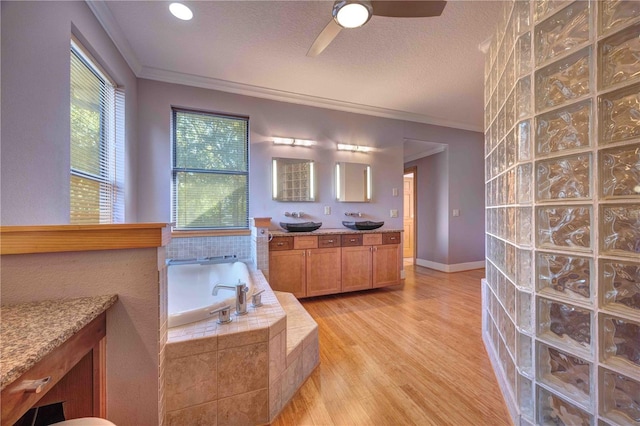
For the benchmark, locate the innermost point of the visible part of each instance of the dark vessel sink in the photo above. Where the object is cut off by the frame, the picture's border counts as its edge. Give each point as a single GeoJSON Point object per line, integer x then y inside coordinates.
{"type": "Point", "coordinates": [362, 225]}
{"type": "Point", "coordinates": [301, 227]}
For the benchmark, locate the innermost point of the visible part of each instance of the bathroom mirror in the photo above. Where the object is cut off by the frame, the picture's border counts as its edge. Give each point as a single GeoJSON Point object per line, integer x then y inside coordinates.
{"type": "Point", "coordinates": [293, 179]}
{"type": "Point", "coordinates": [353, 182]}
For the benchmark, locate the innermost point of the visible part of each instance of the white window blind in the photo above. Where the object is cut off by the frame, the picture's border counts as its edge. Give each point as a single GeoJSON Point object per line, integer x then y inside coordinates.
{"type": "Point", "coordinates": [210, 170]}
{"type": "Point", "coordinates": [97, 144]}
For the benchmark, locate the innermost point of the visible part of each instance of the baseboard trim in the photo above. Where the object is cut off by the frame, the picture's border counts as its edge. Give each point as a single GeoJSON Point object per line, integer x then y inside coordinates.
{"type": "Point", "coordinates": [456, 267]}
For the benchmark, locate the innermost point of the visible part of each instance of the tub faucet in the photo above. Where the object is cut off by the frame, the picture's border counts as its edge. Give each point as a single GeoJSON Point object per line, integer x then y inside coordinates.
{"type": "Point", "coordinates": [241, 295]}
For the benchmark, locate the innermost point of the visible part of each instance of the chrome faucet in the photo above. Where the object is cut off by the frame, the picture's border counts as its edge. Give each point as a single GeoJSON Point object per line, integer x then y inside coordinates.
{"type": "Point", "coordinates": [294, 214]}
{"type": "Point", "coordinates": [241, 295]}
{"type": "Point", "coordinates": [352, 214]}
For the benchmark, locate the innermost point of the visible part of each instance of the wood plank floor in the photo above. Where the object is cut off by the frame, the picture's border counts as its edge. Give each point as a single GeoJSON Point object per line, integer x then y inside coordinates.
{"type": "Point", "coordinates": [411, 354]}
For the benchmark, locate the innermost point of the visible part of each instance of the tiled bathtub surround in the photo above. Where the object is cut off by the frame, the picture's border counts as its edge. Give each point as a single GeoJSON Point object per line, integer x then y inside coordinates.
{"type": "Point", "coordinates": [194, 247]}
{"type": "Point", "coordinates": [241, 372]}
{"type": "Point", "coordinates": [561, 300]}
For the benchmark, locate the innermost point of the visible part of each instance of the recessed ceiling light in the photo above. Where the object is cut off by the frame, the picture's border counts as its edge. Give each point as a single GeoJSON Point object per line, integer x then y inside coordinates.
{"type": "Point", "coordinates": [181, 11]}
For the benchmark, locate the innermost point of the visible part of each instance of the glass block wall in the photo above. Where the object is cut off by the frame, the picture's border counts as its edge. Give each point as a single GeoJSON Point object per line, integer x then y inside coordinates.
{"type": "Point", "coordinates": [561, 298]}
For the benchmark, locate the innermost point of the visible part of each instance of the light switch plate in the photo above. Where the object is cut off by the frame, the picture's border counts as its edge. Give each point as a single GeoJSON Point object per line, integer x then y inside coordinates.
{"type": "Point", "coordinates": [393, 213]}
{"type": "Point", "coordinates": [327, 210]}
{"type": "Point", "coordinates": [456, 212]}
{"type": "Point", "coordinates": [395, 192]}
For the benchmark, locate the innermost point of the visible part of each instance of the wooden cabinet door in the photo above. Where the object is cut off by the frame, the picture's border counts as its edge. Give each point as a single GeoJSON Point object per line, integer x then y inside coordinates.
{"type": "Point", "coordinates": [323, 271]}
{"type": "Point", "coordinates": [287, 271]}
{"type": "Point", "coordinates": [386, 265]}
{"type": "Point", "coordinates": [356, 268]}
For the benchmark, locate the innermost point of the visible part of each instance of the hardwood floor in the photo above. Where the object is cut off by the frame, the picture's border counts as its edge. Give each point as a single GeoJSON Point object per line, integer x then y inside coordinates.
{"type": "Point", "coordinates": [412, 354]}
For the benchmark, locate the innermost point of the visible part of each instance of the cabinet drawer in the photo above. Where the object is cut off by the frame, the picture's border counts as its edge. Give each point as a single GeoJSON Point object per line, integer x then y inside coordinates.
{"type": "Point", "coordinates": [281, 243]}
{"type": "Point", "coordinates": [306, 242]}
{"type": "Point", "coordinates": [325, 241]}
{"type": "Point", "coordinates": [391, 238]}
{"type": "Point", "coordinates": [371, 239]}
{"type": "Point", "coordinates": [351, 240]}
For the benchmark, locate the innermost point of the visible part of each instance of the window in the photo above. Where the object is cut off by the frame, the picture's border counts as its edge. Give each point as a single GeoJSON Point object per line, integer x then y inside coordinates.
{"type": "Point", "coordinates": [97, 143]}
{"type": "Point", "coordinates": [210, 170]}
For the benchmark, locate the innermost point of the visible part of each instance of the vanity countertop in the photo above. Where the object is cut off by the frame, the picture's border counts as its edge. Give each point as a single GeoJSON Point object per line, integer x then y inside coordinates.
{"type": "Point", "coordinates": [331, 231]}
{"type": "Point", "coordinates": [30, 331]}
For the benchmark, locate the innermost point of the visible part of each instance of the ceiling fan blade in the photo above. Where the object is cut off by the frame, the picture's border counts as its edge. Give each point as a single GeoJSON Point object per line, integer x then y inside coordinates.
{"type": "Point", "coordinates": [408, 9]}
{"type": "Point", "coordinates": [324, 39]}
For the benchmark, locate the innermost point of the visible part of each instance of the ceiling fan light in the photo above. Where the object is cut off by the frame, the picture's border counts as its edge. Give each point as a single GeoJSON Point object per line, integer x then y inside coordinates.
{"type": "Point", "coordinates": [352, 14]}
{"type": "Point", "coordinates": [180, 11]}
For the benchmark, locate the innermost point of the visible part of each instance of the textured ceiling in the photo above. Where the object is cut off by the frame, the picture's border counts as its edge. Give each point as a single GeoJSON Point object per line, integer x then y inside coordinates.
{"type": "Point", "coordinates": [423, 69]}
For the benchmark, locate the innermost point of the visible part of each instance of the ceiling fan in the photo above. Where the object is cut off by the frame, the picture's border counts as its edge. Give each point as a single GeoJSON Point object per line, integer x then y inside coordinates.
{"type": "Point", "coordinates": [356, 13]}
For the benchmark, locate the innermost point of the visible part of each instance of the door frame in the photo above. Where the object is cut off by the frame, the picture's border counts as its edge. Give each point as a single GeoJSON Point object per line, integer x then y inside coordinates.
{"type": "Point", "coordinates": [414, 170]}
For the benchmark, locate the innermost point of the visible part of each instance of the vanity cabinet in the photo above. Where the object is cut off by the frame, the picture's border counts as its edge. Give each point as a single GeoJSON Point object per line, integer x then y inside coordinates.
{"type": "Point", "coordinates": [315, 265]}
{"type": "Point", "coordinates": [305, 266]}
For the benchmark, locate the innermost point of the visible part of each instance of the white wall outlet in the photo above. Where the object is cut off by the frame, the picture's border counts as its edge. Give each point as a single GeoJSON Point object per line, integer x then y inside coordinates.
{"type": "Point", "coordinates": [456, 212]}
{"type": "Point", "coordinates": [395, 192]}
{"type": "Point", "coordinates": [327, 210]}
{"type": "Point", "coordinates": [393, 213]}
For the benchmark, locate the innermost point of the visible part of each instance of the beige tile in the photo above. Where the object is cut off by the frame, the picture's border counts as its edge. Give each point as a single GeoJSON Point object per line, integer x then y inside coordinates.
{"type": "Point", "coordinates": [190, 380]}
{"type": "Point", "coordinates": [275, 398]}
{"type": "Point", "coordinates": [291, 379]}
{"type": "Point", "coordinates": [277, 356]}
{"type": "Point", "coordinates": [293, 353]}
{"type": "Point", "coordinates": [243, 369]}
{"type": "Point", "coordinates": [279, 325]}
{"type": "Point", "coordinates": [191, 347]}
{"type": "Point", "coordinates": [242, 338]}
{"type": "Point", "coordinates": [198, 415]}
{"type": "Point", "coordinates": [245, 409]}
{"type": "Point", "coordinates": [311, 338]}
{"type": "Point", "coordinates": [310, 358]}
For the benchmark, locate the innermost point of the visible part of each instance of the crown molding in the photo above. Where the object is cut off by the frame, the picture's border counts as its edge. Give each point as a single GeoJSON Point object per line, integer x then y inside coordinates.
{"type": "Point", "coordinates": [110, 25]}
{"type": "Point", "coordinates": [103, 14]}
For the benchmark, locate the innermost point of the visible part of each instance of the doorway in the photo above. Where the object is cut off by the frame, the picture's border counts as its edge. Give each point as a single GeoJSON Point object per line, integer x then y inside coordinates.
{"type": "Point", "coordinates": [409, 217]}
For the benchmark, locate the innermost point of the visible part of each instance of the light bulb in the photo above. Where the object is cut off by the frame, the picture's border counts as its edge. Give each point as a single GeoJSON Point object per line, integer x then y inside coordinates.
{"type": "Point", "coordinates": [180, 11]}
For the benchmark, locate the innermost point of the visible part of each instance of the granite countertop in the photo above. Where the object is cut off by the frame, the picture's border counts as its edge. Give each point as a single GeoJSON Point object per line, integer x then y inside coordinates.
{"type": "Point", "coordinates": [332, 231]}
{"type": "Point", "coordinates": [30, 331]}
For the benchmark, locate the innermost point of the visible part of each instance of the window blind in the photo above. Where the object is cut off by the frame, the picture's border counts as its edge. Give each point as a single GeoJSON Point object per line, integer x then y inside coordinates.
{"type": "Point", "coordinates": [97, 144]}
{"type": "Point", "coordinates": [210, 170]}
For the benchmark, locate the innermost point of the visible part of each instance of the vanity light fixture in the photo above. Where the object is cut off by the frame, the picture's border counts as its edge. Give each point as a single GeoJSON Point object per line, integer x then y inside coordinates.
{"type": "Point", "coordinates": [354, 148]}
{"type": "Point", "coordinates": [181, 11]}
{"type": "Point", "coordinates": [292, 141]}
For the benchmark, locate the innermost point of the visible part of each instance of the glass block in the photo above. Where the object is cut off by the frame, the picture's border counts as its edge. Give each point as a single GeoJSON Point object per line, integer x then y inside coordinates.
{"type": "Point", "coordinates": [523, 58]}
{"type": "Point", "coordinates": [567, 325]}
{"type": "Point", "coordinates": [523, 268]}
{"type": "Point", "coordinates": [525, 397]}
{"type": "Point", "coordinates": [562, 31]}
{"type": "Point", "coordinates": [619, 114]}
{"type": "Point", "coordinates": [543, 8]}
{"type": "Point", "coordinates": [620, 171]}
{"type": "Point", "coordinates": [563, 129]}
{"type": "Point", "coordinates": [564, 80]}
{"type": "Point", "coordinates": [564, 276]}
{"type": "Point", "coordinates": [510, 148]}
{"type": "Point", "coordinates": [510, 178]}
{"type": "Point", "coordinates": [565, 227]}
{"type": "Point", "coordinates": [524, 227]}
{"type": "Point", "coordinates": [564, 178]}
{"type": "Point", "coordinates": [621, 342]}
{"type": "Point", "coordinates": [621, 398]}
{"type": "Point", "coordinates": [621, 285]}
{"type": "Point", "coordinates": [510, 259]}
{"type": "Point", "coordinates": [525, 301]}
{"type": "Point", "coordinates": [523, 98]}
{"type": "Point", "coordinates": [616, 13]}
{"type": "Point", "coordinates": [619, 57]}
{"type": "Point", "coordinates": [524, 140]}
{"type": "Point", "coordinates": [567, 374]}
{"type": "Point", "coordinates": [525, 180]}
{"type": "Point", "coordinates": [621, 229]}
{"type": "Point", "coordinates": [553, 410]}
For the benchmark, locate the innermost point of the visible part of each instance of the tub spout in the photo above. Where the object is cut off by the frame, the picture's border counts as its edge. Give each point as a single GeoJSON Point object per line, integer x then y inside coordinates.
{"type": "Point", "coordinates": [241, 295]}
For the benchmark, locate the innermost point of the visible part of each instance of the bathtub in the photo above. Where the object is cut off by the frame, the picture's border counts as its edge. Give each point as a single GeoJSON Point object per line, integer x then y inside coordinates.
{"type": "Point", "coordinates": [190, 288]}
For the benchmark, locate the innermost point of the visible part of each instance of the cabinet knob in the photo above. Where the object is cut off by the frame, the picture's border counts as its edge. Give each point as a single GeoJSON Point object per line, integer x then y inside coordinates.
{"type": "Point", "coordinates": [280, 244]}
{"type": "Point", "coordinates": [392, 238]}
{"type": "Point", "coordinates": [353, 240]}
{"type": "Point", "coordinates": [33, 386]}
{"type": "Point", "coordinates": [330, 241]}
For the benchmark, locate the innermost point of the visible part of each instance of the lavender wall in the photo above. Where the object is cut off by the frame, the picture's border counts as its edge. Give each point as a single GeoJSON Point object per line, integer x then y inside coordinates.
{"type": "Point", "coordinates": [35, 107]}
{"type": "Point", "coordinates": [267, 119]}
{"type": "Point", "coordinates": [449, 180]}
